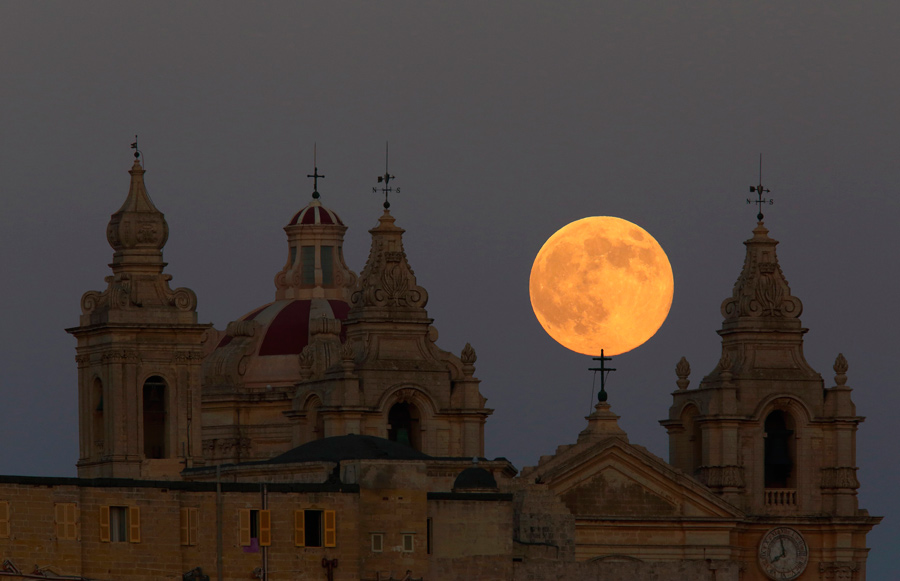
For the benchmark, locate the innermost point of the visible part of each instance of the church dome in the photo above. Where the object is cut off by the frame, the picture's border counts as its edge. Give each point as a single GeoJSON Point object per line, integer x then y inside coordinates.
{"type": "Point", "coordinates": [316, 213]}
{"type": "Point", "coordinates": [475, 479]}
{"type": "Point", "coordinates": [312, 296]}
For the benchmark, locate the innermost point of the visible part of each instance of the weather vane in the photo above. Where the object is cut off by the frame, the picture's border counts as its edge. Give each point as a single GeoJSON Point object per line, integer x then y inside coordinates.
{"type": "Point", "coordinates": [315, 175]}
{"type": "Point", "coordinates": [604, 372]}
{"type": "Point", "coordinates": [760, 190]}
{"type": "Point", "coordinates": [386, 178]}
{"type": "Point", "coordinates": [137, 152]}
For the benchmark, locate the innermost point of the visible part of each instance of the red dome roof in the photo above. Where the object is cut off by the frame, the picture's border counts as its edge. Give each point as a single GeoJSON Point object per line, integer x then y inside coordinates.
{"type": "Point", "coordinates": [315, 213]}
{"type": "Point", "coordinates": [285, 325]}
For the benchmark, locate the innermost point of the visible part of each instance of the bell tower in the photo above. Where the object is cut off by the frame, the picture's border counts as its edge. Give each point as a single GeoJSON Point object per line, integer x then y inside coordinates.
{"type": "Point", "coordinates": [138, 355]}
{"type": "Point", "coordinates": [761, 429]}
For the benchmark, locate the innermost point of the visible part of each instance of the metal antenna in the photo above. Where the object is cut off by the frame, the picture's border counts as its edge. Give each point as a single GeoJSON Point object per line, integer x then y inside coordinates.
{"type": "Point", "coordinates": [386, 178]}
{"type": "Point", "coordinates": [760, 190]}
{"type": "Point", "coordinates": [315, 174]}
{"type": "Point", "coordinates": [604, 372]}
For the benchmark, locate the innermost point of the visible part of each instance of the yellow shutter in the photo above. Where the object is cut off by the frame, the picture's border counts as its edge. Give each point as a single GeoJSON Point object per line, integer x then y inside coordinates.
{"type": "Point", "coordinates": [104, 524]}
{"type": "Point", "coordinates": [193, 525]}
{"type": "Point", "coordinates": [4, 520]}
{"type": "Point", "coordinates": [72, 521]}
{"type": "Point", "coordinates": [185, 526]}
{"type": "Point", "coordinates": [134, 524]}
{"type": "Point", "coordinates": [244, 527]}
{"type": "Point", "coordinates": [299, 530]}
{"type": "Point", "coordinates": [330, 536]}
{"type": "Point", "coordinates": [265, 528]}
{"type": "Point", "coordinates": [60, 510]}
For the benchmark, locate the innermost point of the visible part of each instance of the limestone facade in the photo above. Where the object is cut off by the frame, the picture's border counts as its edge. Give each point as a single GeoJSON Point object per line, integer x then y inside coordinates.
{"type": "Point", "coordinates": [325, 435]}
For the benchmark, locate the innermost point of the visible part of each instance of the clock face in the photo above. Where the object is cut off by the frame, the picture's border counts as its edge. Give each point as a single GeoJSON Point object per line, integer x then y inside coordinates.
{"type": "Point", "coordinates": [783, 554]}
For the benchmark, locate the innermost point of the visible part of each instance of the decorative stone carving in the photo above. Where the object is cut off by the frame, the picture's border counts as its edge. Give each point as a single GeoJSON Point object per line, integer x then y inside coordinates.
{"type": "Point", "coordinates": [683, 370]}
{"type": "Point", "coordinates": [242, 328]}
{"type": "Point", "coordinates": [388, 280]}
{"type": "Point", "coordinates": [722, 476]}
{"type": "Point", "coordinates": [120, 356]}
{"type": "Point", "coordinates": [838, 570]}
{"type": "Point", "coordinates": [840, 370]}
{"type": "Point", "coordinates": [840, 477]}
{"type": "Point", "coordinates": [761, 289]}
{"type": "Point", "coordinates": [183, 356]}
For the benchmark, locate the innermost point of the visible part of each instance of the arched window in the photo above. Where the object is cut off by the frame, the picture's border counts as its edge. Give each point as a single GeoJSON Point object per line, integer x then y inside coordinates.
{"type": "Point", "coordinates": [779, 451]}
{"type": "Point", "coordinates": [403, 425]}
{"type": "Point", "coordinates": [155, 418]}
{"type": "Point", "coordinates": [98, 430]}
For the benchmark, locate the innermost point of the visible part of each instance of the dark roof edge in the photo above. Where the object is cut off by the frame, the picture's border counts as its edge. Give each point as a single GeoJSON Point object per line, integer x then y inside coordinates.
{"type": "Point", "coordinates": [254, 487]}
{"type": "Point", "coordinates": [489, 496]}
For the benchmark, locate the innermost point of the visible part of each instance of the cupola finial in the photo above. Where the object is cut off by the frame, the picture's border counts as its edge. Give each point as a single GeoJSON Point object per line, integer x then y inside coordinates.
{"type": "Point", "coordinates": [386, 178]}
{"type": "Point", "coordinates": [315, 175]}
{"type": "Point", "coordinates": [760, 190]}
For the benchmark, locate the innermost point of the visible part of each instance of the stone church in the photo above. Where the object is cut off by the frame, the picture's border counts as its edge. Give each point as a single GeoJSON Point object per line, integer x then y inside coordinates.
{"type": "Point", "coordinates": [326, 435]}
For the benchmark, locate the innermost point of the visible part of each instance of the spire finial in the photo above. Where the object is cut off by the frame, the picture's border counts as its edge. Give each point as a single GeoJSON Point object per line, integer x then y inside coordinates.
{"type": "Point", "coordinates": [137, 152]}
{"type": "Point", "coordinates": [315, 175]}
{"type": "Point", "coordinates": [386, 178]}
{"type": "Point", "coordinates": [604, 372]}
{"type": "Point", "coordinates": [760, 190]}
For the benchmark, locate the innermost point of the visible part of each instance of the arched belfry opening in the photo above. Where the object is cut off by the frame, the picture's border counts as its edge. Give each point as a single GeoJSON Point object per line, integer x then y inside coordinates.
{"type": "Point", "coordinates": [155, 416]}
{"type": "Point", "coordinates": [403, 425]}
{"type": "Point", "coordinates": [779, 450]}
{"type": "Point", "coordinates": [98, 429]}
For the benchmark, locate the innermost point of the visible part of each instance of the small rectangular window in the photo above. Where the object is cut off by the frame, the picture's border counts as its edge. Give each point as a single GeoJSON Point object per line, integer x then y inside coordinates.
{"type": "Point", "coordinates": [327, 260]}
{"type": "Point", "coordinates": [377, 542]}
{"type": "Point", "coordinates": [190, 525]}
{"type": "Point", "coordinates": [308, 264]}
{"type": "Point", "coordinates": [408, 542]}
{"type": "Point", "coordinates": [66, 521]}
{"type": "Point", "coordinates": [4, 519]}
{"type": "Point", "coordinates": [255, 528]}
{"type": "Point", "coordinates": [115, 526]}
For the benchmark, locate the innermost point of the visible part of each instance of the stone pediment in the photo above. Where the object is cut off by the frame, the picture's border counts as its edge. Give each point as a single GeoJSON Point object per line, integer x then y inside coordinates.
{"type": "Point", "coordinates": [613, 478]}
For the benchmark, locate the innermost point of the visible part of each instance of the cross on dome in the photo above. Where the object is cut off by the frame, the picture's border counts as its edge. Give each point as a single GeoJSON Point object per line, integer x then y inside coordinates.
{"type": "Point", "coordinates": [315, 175]}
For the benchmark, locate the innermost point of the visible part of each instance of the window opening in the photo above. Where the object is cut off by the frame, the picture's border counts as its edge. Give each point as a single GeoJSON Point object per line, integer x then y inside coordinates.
{"type": "Point", "coordinates": [377, 542]}
{"type": "Point", "coordinates": [408, 542]}
{"type": "Point", "coordinates": [98, 431]}
{"type": "Point", "coordinates": [155, 418]}
{"type": "Point", "coordinates": [428, 535]}
{"type": "Point", "coordinates": [403, 420]}
{"type": "Point", "coordinates": [312, 526]}
{"type": "Point", "coordinates": [66, 527]}
{"type": "Point", "coordinates": [293, 255]}
{"type": "Point", "coordinates": [118, 524]}
{"type": "Point", "coordinates": [308, 264]}
{"type": "Point", "coordinates": [778, 454]}
{"type": "Point", "coordinates": [327, 260]}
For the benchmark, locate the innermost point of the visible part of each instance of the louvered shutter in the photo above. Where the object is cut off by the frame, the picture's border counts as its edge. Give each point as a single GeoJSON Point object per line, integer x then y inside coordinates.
{"type": "Point", "coordinates": [330, 535]}
{"type": "Point", "coordinates": [134, 524]}
{"type": "Point", "coordinates": [265, 528]}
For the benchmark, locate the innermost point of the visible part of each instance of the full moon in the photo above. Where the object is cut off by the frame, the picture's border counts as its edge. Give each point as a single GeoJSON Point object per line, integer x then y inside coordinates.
{"type": "Point", "coordinates": [601, 283]}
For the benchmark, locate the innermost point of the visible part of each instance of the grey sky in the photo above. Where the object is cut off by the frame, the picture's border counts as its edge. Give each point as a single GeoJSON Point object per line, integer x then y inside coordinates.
{"type": "Point", "coordinates": [507, 120]}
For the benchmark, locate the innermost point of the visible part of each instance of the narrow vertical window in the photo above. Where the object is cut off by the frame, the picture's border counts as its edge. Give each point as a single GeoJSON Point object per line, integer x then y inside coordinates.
{"type": "Point", "coordinates": [255, 529]}
{"type": "Point", "coordinates": [98, 430]}
{"type": "Point", "coordinates": [408, 542]}
{"type": "Point", "coordinates": [327, 261]}
{"type": "Point", "coordinates": [429, 524]}
{"type": "Point", "coordinates": [377, 542]}
{"type": "Point", "coordinates": [403, 420]}
{"type": "Point", "coordinates": [155, 418]}
{"type": "Point", "coordinates": [308, 264]}
{"type": "Point", "coordinates": [293, 256]}
{"type": "Point", "coordinates": [312, 523]}
{"type": "Point", "coordinates": [778, 454]}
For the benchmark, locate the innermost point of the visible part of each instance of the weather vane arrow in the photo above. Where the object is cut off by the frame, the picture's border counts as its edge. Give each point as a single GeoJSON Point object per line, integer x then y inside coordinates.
{"type": "Point", "coordinates": [760, 190]}
{"type": "Point", "coordinates": [386, 179]}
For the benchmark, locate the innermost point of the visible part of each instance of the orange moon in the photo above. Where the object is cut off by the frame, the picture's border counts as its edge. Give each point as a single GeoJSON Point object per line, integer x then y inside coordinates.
{"type": "Point", "coordinates": [601, 283]}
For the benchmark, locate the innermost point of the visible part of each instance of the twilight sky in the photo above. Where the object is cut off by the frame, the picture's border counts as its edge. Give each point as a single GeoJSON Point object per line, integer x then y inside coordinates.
{"type": "Point", "coordinates": [507, 120]}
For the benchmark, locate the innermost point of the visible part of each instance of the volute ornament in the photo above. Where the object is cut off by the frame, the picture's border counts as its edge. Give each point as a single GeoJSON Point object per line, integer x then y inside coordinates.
{"type": "Point", "coordinates": [761, 289]}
